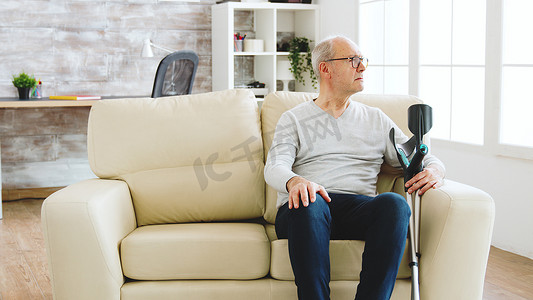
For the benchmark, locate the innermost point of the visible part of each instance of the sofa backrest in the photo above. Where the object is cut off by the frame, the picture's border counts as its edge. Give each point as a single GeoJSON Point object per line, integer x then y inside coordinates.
{"type": "Point", "coordinates": [275, 104]}
{"type": "Point", "coordinates": [193, 158]}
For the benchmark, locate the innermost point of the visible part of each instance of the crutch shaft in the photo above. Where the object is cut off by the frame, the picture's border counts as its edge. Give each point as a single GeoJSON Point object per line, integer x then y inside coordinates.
{"type": "Point", "coordinates": [416, 212]}
{"type": "Point", "coordinates": [413, 241]}
{"type": "Point", "coordinates": [415, 289]}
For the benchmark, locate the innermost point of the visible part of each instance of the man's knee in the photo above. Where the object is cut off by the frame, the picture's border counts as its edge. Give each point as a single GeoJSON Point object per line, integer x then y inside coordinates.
{"type": "Point", "coordinates": [317, 210]}
{"type": "Point", "coordinates": [395, 205]}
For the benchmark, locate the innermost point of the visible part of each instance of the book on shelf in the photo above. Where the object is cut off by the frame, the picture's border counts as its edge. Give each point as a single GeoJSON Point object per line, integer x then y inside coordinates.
{"type": "Point", "coordinates": [75, 97]}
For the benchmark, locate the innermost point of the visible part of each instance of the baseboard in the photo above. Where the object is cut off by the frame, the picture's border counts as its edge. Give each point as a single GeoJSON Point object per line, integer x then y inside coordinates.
{"type": "Point", "coordinates": [17, 194]}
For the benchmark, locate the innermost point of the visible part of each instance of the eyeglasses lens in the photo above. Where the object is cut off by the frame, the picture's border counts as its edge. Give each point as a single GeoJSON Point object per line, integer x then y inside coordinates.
{"type": "Point", "coordinates": [356, 61]}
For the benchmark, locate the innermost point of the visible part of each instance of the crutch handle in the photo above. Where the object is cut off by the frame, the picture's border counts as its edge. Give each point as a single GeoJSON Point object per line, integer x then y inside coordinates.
{"type": "Point", "coordinates": [416, 165]}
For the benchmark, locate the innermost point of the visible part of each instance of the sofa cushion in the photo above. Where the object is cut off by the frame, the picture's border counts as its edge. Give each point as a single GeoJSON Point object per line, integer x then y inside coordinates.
{"type": "Point", "coordinates": [277, 103]}
{"type": "Point", "coordinates": [196, 251]}
{"type": "Point", "coordinates": [345, 259]}
{"type": "Point", "coordinates": [185, 158]}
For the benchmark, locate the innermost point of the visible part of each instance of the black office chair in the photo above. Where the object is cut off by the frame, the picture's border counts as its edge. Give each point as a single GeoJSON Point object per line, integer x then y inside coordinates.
{"type": "Point", "coordinates": [175, 74]}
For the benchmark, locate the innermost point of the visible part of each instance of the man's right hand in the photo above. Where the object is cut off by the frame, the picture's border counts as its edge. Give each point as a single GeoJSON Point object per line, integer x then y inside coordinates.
{"type": "Point", "coordinates": [301, 188]}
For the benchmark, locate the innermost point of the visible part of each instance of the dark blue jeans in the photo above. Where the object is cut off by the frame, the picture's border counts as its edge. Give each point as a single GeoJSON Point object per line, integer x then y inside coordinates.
{"type": "Point", "coordinates": [380, 221]}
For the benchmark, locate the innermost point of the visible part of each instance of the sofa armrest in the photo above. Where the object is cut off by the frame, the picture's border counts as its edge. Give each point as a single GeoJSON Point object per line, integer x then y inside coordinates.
{"type": "Point", "coordinates": [83, 226]}
{"type": "Point", "coordinates": [455, 235]}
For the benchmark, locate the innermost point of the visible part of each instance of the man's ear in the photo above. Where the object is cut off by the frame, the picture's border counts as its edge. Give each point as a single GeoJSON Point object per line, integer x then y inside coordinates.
{"type": "Point", "coordinates": [324, 69]}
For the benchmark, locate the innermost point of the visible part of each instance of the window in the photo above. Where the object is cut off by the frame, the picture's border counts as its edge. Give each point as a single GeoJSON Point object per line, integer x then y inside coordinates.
{"type": "Point", "coordinates": [516, 127]}
{"type": "Point", "coordinates": [383, 32]}
{"type": "Point", "coordinates": [452, 67]}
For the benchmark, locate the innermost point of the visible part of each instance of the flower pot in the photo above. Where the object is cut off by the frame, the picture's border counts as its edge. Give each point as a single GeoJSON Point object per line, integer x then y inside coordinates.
{"type": "Point", "coordinates": [24, 93]}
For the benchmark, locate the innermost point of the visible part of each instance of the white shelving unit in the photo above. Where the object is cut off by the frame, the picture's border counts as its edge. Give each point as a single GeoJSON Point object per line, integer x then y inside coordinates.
{"type": "Point", "coordinates": [268, 20]}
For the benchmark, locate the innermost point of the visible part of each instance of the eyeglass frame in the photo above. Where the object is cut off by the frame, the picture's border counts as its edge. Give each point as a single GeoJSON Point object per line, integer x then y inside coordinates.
{"type": "Point", "coordinates": [352, 59]}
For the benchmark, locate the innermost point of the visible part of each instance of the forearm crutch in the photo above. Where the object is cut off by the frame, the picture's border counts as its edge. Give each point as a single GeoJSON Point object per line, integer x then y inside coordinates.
{"type": "Point", "coordinates": [420, 122]}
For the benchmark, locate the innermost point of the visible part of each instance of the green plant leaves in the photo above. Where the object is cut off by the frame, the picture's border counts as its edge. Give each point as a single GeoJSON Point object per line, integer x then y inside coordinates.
{"type": "Point", "coordinates": [24, 80]}
{"type": "Point", "coordinates": [300, 59]}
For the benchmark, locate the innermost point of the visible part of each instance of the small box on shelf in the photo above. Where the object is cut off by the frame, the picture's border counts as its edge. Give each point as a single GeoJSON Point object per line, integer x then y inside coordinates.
{"type": "Point", "coordinates": [291, 1]}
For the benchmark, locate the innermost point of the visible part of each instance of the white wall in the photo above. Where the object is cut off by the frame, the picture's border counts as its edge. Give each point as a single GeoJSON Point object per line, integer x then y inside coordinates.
{"type": "Point", "coordinates": [338, 17]}
{"type": "Point", "coordinates": [508, 180]}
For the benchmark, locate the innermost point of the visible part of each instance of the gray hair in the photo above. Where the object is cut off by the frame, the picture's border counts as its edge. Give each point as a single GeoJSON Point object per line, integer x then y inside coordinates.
{"type": "Point", "coordinates": [324, 51]}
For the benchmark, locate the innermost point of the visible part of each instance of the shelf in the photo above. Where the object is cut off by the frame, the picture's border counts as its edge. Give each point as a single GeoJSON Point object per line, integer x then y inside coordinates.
{"type": "Point", "coordinates": [260, 53]}
{"type": "Point", "coordinates": [268, 5]}
{"type": "Point", "coordinates": [270, 22]}
{"type": "Point", "coordinates": [252, 53]}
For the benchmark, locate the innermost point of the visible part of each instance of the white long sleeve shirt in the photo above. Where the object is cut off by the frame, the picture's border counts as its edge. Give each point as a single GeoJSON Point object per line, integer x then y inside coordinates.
{"type": "Point", "coordinates": [344, 155]}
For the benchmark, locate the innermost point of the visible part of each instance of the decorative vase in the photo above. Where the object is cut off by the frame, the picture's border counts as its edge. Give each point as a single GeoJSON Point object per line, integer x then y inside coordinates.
{"type": "Point", "coordinates": [24, 93]}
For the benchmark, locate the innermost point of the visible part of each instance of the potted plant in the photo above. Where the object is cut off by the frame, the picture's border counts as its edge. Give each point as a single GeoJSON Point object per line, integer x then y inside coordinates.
{"type": "Point", "coordinates": [24, 83]}
{"type": "Point", "coordinates": [300, 59]}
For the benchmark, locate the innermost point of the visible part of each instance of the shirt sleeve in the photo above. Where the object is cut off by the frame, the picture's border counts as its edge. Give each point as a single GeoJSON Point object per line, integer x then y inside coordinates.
{"type": "Point", "coordinates": [282, 153]}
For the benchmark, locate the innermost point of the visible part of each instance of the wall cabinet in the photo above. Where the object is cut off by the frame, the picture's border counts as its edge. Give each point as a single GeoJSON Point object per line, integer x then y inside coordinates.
{"type": "Point", "coordinates": [269, 22]}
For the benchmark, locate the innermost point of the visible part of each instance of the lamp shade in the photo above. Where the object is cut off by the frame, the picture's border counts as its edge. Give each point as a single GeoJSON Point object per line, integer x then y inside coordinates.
{"type": "Point", "coordinates": [147, 49]}
{"type": "Point", "coordinates": [283, 71]}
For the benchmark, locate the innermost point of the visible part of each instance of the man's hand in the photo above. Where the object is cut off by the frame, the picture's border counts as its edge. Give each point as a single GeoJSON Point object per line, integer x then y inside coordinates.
{"type": "Point", "coordinates": [301, 188]}
{"type": "Point", "coordinates": [431, 177]}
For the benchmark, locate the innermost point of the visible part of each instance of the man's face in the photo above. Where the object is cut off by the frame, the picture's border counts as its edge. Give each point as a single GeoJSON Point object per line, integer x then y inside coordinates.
{"type": "Point", "coordinates": [345, 77]}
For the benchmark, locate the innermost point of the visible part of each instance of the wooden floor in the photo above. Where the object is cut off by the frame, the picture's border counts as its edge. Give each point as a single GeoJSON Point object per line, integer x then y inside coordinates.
{"type": "Point", "coordinates": [24, 274]}
{"type": "Point", "coordinates": [23, 266]}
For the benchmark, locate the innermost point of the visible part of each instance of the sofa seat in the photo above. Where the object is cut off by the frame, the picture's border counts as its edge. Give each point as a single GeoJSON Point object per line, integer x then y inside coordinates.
{"type": "Point", "coordinates": [196, 251]}
{"type": "Point", "coordinates": [345, 259]}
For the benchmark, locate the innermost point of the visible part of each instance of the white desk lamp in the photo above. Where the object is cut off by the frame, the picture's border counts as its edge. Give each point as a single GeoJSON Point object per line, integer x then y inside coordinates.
{"type": "Point", "coordinates": [147, 49]}
{"type": "Point", "coordinates": [284, 73]}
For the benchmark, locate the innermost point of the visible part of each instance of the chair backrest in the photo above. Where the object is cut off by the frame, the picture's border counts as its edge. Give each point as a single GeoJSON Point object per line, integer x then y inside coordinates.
{"type": "Point", "coordinates": [175, 74]}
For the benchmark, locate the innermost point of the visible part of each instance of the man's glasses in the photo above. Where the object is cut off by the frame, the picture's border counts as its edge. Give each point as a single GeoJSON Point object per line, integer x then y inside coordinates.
{"type": "Point", "coordinates": [356, 61]}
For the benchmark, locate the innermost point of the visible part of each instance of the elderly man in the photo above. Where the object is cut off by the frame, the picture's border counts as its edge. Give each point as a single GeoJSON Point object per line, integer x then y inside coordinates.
{"type": "Point", "coordinates": [326, 182]}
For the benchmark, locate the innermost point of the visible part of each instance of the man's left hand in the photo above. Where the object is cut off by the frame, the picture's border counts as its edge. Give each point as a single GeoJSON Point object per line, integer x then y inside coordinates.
{"type": "Point", "coordinates": [431, 177]}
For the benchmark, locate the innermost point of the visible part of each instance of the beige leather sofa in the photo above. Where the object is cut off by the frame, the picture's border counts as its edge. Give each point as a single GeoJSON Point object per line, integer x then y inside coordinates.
{"type": "Point", "coordinates": [181, 210]}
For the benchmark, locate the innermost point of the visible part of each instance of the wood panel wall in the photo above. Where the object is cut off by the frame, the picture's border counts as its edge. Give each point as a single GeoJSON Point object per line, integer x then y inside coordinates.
{"type": "Point", "coordinates": [42, 148]}
{"type": "Point", "coordinates": [94, 47]}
